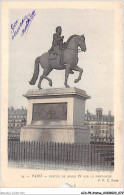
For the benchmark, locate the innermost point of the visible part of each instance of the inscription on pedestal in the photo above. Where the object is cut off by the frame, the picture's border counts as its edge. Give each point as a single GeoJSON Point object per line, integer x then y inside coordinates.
{"type": "Point", "coordinates": [49, 111]}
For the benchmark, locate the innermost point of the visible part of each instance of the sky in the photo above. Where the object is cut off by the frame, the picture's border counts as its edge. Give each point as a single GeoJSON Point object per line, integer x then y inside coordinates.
{"type": "Point", "coordinates": [97, 62]}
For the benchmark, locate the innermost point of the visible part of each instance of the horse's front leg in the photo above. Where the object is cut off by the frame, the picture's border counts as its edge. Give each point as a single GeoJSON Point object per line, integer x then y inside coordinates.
{"type": "Point", "coordinates": [80, 70]}
{"type": "Point", "coordinates": [44, 76]}
{"type": "Point", "coordinates": [67, 71]}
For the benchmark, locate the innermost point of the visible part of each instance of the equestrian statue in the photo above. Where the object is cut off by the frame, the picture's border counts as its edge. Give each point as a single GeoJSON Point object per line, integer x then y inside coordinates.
{"type": "Point", "coordinates": [60, 56]}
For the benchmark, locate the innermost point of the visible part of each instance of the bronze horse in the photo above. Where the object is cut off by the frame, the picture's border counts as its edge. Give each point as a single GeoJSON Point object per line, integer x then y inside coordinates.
{"type": "Point", "coordinates": [70, 60]}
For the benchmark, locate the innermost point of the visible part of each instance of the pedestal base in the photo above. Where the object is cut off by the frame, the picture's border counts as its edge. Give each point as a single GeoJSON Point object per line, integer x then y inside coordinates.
{"type": "Point", "coordinates": [61, 134]}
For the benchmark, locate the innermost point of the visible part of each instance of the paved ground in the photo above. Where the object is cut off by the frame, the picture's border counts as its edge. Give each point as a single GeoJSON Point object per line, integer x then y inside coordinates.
{"type": "Point", "coordinates": [53, 166]}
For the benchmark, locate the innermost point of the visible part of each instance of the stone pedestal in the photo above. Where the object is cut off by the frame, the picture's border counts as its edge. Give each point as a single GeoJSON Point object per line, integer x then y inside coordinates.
{"type": "Point", "coordinates": [56, 115]}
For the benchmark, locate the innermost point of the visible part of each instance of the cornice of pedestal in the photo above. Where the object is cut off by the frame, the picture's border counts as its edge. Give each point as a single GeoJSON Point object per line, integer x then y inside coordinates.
{"type": "Point", "coordinates": [57, 93]}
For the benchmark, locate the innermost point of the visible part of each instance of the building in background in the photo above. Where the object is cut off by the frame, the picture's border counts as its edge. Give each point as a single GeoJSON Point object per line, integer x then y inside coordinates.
{"type": "Point", "coordinates": [101, 126]}
{"type": "Point", "coordinates": [17, 118]}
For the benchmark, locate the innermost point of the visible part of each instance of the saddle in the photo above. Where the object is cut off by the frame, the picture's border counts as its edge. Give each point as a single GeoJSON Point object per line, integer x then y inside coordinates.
{"type": "Point", "coordinates": [53, 56]}
{"type": "Point", "coordinates": [59, 56]}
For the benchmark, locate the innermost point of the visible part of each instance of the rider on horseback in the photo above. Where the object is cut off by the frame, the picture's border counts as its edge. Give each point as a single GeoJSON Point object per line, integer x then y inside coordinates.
{"type": "Point", "coordinates": [57, 43]}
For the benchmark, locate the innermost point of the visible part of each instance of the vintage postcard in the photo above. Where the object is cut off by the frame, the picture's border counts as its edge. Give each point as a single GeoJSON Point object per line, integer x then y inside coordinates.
{"type": "Point", "coordinates": [61, 82]}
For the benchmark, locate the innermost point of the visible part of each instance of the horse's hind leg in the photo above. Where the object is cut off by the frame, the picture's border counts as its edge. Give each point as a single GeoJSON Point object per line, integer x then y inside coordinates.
{"type": "Point", "coordinates": [44, 76]}
{"type": "Point", "coordinates": [80, 70]}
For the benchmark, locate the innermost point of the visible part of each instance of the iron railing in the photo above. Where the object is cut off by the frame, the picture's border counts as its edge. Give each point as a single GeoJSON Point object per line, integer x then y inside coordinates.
{"type": "Point", "coordinates": [82, 156]}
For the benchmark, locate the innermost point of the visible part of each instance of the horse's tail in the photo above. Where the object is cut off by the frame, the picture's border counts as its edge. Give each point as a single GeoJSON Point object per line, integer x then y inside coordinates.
{"type": "Point", "coordinates": [36, 72]}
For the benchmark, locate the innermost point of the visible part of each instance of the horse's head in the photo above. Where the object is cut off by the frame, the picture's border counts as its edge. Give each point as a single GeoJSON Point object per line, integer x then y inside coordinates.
{"type": "Point", "coordinates": [81, 42]}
